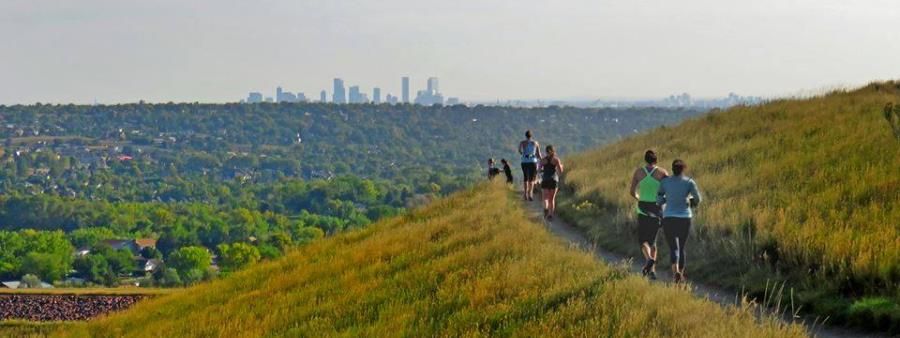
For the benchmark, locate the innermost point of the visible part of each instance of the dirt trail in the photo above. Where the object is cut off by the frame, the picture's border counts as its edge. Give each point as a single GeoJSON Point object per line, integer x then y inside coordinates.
{"type": "Point", "coordinates": [721, 296]}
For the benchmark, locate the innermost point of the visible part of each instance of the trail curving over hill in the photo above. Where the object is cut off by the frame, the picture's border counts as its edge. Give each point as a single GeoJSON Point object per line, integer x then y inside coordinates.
{"type": "Point", "coordinates": [571, 234]}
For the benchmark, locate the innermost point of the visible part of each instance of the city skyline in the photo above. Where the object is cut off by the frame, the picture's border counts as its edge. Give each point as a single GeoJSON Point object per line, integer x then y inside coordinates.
{"type": "Point", "coordinates": [212, 51]}
{"type": "Point", "coordinates": [355, 94]}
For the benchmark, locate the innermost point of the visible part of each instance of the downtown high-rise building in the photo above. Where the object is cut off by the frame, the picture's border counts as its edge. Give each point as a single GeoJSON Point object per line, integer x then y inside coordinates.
{"type": "Point", "coordinates": [356, 96]}
{"type": "Point", "coordinates": [431, 95]}
{"type": "Point", "coordinates": [405, 92]}
{"type": "Point", "coordinates": [338, 95]}
{"type": "Point", "coordinates": [255, 97]}
{"type": "Point", "coordinates": [376, 95]}
{"type": "Point", "coordinates": [323, 96]}
{"type": "Point", "coordinates": [433, 86]}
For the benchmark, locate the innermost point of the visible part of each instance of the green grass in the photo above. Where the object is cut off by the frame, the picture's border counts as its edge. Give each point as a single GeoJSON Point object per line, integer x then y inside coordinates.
{"type": "Point", "coordinates": [802, 191]}
{"type": "Point", "coordinates": [473, 264]}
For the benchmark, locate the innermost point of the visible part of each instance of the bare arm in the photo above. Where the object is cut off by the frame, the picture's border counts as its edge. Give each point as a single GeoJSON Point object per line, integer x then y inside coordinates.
{"type": "Point", "coordinates": [521, 148]}
{"type": "Point", "coordinates": [537, 147]}
{"type": "Point", "coordinates": [559, 166]}
{"type": "Point", "coordinates": [662, 173]}
{"type": "Point", "coordinates": [634, 182]}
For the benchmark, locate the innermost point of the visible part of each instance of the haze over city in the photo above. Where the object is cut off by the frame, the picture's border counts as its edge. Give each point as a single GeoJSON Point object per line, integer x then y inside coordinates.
{"type": "Point", "coordinates": [218, 51]}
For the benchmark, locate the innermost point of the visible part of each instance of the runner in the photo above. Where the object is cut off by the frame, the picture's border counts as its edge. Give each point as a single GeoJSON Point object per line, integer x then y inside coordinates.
{"type": "Point", "coordinates": [507, 171]}
{"type": "Point", "coordinates": [552, 167]}
{"type": "Point", "coordinates": [679, 193]}
{"type": "Point", "coordinates": [492, 170]}
{"type": "Point", "coordinates": [531, 155]}
{"type": "Point", "coordinates": [644, 186]}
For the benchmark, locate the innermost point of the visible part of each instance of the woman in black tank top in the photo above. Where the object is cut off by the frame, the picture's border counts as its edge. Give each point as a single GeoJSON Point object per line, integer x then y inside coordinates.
{"type": "Point", "coordinates": [552, 167]}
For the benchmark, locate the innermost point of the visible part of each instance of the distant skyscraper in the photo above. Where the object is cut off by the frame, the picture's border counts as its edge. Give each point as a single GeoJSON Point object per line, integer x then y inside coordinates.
{"type": "Point", "coordinates": [354, 96]}
{"type": "Point", "coordinates": [338, 95]}
{"type": "Point", "coordinates": [323, 96]}
{"type": "Point", "coordinates": [254, 97]}
{"type": "Point", "coordinates": [427, 98]}
{"type": "Point", "coordinates": [376, 95]}
{"type": "Point", "coordinates": [405, 93]}
{"type": "Point", "coordinates": [393, 100]}
{"type": "Point", "coordinates": [431, 95]}
{"type": "Point", "coordinates": [433, 86]}
{"type": "Point", "coordinates": [279, 94]}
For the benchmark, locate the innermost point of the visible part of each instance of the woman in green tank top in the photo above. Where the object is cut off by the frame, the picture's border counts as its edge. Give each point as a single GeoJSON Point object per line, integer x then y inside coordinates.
{"type": "Point", "coordinates": [644, 187]}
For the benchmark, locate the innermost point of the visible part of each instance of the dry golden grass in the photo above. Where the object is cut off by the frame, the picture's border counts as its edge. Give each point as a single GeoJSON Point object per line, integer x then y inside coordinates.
{"type": "Point", "coordinates": [469, 265]}
{"type": "Point", "coordinates": [815, 182]}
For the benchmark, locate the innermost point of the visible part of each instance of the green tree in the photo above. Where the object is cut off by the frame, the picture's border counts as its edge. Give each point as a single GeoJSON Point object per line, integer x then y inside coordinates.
{"type": "Point", "coordinates": [94, 268]}
{"type": "Point", "coordinates": [88, 237]}
{"type": "Point", "coordinates": [169, 277]}
{"type": "Point", "coordinates": [151, 253]}
{"type": "Point", "coordinates": [304, 234]}
{"type": "Point", "coordinates": [189, 258]}
{"type": "Point", "coordinates": [31, 281]}
{"type": "Point", "coordinates": [47, 266]}
{"type": "Point", "coordinates": [237, 255]}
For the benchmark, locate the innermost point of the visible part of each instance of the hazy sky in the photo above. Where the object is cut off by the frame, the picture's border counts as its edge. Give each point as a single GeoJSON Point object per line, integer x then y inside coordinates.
{"type": "Point", "coordinates": [216, 51]}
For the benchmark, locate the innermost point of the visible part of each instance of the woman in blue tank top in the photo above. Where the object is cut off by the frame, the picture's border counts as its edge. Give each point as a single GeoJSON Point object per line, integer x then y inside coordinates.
{"type": "Point", "coordinates": [531, 155]}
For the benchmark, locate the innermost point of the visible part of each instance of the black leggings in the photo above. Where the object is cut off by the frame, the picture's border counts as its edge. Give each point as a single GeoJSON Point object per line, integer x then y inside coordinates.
{"type": "Point", "coordinates": [677, 230]}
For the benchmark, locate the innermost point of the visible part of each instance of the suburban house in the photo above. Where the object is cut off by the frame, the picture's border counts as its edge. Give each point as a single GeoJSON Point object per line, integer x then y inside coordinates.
{"type": "Point", "coordinates": [134, 245]}
{"type": "Point", "coordinates": [149, 265]}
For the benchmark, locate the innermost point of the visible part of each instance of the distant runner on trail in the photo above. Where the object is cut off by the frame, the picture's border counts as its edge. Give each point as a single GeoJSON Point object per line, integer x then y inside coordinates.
{"type": "Point", "coordinates": [492, 171]}
{"type": "Point", "coordinates": [531, 155]}
{"type": "Point", "coordinates": [679, 193]}
{"type": "Point", "coordinates": [507, 171]}
{"type": "Point", "coordinates": [552, 167]}
{"type": "Point", "coordinates": [644, 186]}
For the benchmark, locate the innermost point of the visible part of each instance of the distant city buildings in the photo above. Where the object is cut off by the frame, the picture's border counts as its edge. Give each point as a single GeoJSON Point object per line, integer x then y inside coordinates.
{"type": "Point", "coordinates": [390, 99]}
{"type": "Point", "coordinates": [283, 96]}
{"type": "Point", "coordinates": [433, 85]}
{"type": "Point", "coordinates": [356, 96]}
{"type": "Point", "coordinates": [431, 95]}
{"type": "Point", "coordinates": [683, 100]}
{"type": "Point", "coordinates": [405, 83]}
{"type": "Point", "coordinates": [341, 94]}
{"type": "Point", "coordinates": [338, 96]}
{"type": "Point", "coordinates": [255, 97]}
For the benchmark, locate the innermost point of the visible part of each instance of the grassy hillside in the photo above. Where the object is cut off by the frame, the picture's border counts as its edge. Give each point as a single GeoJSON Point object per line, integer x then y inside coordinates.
{"type": "Point", "coordinates": [469, 265]}
{"type": "Point", "coordinates": [806, 191]}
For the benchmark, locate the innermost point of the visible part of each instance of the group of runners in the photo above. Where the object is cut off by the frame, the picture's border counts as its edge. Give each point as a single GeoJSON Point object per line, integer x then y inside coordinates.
{"type": "Point", "coordinates": [663, 201]}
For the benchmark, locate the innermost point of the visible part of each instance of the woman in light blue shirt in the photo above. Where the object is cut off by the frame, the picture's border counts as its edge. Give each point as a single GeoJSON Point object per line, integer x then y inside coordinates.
{"type": "Point", "coordinates": [679, 194]}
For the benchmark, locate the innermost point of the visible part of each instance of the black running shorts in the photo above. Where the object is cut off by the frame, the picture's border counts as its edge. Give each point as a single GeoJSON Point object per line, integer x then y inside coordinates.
{"type": "Point", "coordinates": [548, 184]}
{"type": "Point", "coordinates": [529, 171]}
{"type": "Point", "coordinates": [648, 226]}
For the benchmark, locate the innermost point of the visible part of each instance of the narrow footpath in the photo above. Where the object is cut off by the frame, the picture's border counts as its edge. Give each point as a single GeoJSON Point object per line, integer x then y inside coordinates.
{"type": "Point", "coordinates": [726, 298]}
